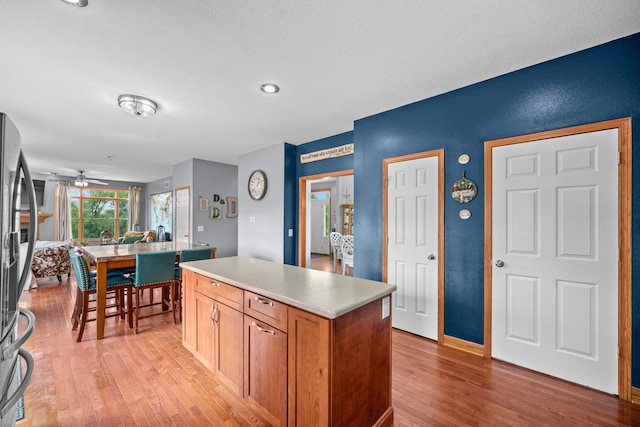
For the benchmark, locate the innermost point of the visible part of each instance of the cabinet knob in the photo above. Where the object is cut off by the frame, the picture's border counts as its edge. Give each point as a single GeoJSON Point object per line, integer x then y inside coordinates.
{"type": "Point", "coordinates": [215, 284]}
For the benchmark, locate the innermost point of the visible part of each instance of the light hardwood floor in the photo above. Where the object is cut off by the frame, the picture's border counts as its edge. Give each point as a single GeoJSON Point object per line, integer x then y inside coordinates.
{"type": "Point", "coordinates": [150, 379]}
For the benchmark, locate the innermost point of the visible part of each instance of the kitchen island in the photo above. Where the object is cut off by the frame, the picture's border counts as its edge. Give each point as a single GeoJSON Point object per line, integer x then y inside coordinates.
{"type": "Point", "coordinates": [303, 347]}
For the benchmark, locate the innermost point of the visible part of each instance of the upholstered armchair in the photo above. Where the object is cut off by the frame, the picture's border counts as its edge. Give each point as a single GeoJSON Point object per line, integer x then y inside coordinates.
{"type": "Point", "coordinates": [51, 259]}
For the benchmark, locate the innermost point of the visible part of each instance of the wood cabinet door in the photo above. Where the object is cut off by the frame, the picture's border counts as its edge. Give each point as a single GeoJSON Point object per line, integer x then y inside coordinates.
{"type": "Point", "coordinates": [265, 378]}
{"type": "Point", "coordinates": [204, 329]}
{"type": "Point", "coordinates": [228, 346]}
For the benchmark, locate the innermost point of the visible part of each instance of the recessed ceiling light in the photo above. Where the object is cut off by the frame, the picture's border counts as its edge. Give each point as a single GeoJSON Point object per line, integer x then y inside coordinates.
{"type": "Point", "coordinates": [79, 3]}
{"type": "Point", "coordinates": [269, 88]}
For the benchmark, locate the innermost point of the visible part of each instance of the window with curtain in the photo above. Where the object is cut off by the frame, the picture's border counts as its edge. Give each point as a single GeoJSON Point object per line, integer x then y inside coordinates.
{"type": "Point", "coordinates": [94, 210]}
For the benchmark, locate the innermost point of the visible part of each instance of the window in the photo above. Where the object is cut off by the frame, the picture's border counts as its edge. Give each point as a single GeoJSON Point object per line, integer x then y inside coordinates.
{"type": "Point", "coordinates": [96, 209]}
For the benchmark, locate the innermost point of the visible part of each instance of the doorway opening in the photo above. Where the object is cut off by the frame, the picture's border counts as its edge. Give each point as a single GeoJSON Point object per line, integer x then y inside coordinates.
{"type": "Point", "coordinates": [317, 252]}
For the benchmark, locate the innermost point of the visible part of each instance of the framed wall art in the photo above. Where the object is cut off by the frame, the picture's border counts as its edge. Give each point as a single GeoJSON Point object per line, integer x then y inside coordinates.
{"type": "Point", "coordinates": [203, 204]}
{"type": "Point", "coordinates": [232, 207]}
{"type": "Point", "coordinates": [216, 212]}
{"type": "Point", "coordinates": [161, 211]}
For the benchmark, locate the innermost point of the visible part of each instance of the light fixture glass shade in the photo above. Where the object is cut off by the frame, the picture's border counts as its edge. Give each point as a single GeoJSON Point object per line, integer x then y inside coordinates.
{"type": "Point", "coordinates": [137, 105]}
{"type": "Point", "coordinates": [79, 3]}
{"type": "Point", "coordinates": [81, 183]}
{"type": "Point", "coordinates": [269, 88]}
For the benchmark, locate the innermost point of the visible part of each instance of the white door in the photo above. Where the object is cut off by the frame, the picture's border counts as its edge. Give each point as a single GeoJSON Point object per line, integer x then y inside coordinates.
{"type": "Point", "coordinates": [412, 252]}
{"type": "Point", "coordinates": [555, 272]}
{"type": "Point", "coordinates": [319, 241]}
{"type": "Point", "coordinates": [182, 215]}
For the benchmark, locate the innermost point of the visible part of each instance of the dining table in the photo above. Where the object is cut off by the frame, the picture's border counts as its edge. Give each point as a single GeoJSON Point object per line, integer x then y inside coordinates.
{"type": "Point", "coordinates": [106, 257]}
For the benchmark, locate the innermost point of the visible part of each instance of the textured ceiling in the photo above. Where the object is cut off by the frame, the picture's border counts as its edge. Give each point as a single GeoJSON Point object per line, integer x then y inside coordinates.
{"type": "Point", "coordinates": [203, 61]}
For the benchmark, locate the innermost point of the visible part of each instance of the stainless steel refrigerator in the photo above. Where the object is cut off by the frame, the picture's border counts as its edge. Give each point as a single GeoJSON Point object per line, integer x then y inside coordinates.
{"type": "Point", "coordinates": [16, 364]}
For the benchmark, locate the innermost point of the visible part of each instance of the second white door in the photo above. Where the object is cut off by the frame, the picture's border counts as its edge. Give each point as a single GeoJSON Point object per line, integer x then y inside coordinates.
{"type": "Point", "coordinates": [555, 244]}
{"type": "Point", "coordinates": [412, 253]}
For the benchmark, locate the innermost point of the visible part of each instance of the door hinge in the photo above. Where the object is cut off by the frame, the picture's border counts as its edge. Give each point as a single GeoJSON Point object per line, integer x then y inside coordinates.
{"type": "Point", "coordinates": [618, 157]}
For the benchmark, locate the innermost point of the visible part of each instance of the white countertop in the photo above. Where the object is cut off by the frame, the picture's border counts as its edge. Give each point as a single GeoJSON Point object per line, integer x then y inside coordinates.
{"type": "Point", "coordinates": [326, 294]}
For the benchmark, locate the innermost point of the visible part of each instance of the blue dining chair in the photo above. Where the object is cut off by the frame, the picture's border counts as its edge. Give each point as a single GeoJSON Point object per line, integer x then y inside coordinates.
{"type": "Point", "coordinates": [191, 255]}
{"type": "Point", "coordinates": [155, 270]}
{"type": "Point", "coordinates": [118, 289]}
{"type": "Point", "coordinates": [185, 256]}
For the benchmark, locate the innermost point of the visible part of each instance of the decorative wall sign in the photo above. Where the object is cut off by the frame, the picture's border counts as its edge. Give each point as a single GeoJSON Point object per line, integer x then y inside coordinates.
{"type": "Point", "coordinates": [343, 150]}
{"type": "Point", "coordinates": [216, 197]}
{"type": "Point", "coordinates": [464, 190]}
{"type": "Point", "coordinates": [232, 208]}
{"type": "Point", "coordinates": [464, 214]}
{"type": "Point", "coordinates": [203, 204]}
{"type": "Point", "coordinates": [216, 212]}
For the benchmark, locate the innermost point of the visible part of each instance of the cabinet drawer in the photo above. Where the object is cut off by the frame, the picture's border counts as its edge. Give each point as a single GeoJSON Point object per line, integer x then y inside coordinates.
{"type": "Point", "coordinates": [265, 309]}
{"type": "Point", "coordinates": [220, 291]}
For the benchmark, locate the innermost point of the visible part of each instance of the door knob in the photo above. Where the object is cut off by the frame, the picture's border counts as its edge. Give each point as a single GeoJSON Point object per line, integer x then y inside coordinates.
{"type": "Point", "coordinates": [431, 257]}
{"type": "Point", "coordinates": [499, 263]}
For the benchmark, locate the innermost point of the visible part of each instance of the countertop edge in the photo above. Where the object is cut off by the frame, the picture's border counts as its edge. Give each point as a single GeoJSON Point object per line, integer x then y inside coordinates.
{"type": "Point", "coordinates": [323, 312]}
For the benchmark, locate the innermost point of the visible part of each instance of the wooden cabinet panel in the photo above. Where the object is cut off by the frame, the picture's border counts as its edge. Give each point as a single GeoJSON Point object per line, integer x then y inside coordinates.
{"type": "Point", "coordinates": [340, 369]}
{"type": "Point", "coordinates": [220, 291]}
{"type": "Point", "coordinates": [212, 330]}
{"type": "Point", "coordinates": [267, 310]}
{"type": "Point", "coordinates": [188, 310]}
{"type": "Point", "coordinates": [265, 373]}
{"type": "Point", "coordinates": [204, 329]}
{"type": "Point", "coordinates": [228, 346]}
{"type": "Point", "coordinates": [309, 380]}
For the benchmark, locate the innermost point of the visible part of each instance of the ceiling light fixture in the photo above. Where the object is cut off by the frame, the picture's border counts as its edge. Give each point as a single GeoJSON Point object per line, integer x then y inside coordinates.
{"type": "Point", "coordinates": [79, 3]}
{"type": "Point", "coordinates": [269, 88]}
{"type": "Point", "coordinates": [137, 105]}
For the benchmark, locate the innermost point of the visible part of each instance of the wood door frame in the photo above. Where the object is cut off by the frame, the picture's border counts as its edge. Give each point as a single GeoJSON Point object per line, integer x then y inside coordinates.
{"type": "Point", "coordinates": [302, 210]}
{"type": "Point", "coordinates": [624, 235]}
{"type": "Point", "coordinates": [385, 223]}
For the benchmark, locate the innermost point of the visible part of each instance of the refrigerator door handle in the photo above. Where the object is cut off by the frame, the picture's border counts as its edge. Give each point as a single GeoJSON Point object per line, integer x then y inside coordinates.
{"type": "Point", "coordinates": [31, 319]}
{"type": "Point", "coordinates": [11, 401]}
{"type": "Point", "coordinates": [33, 218]}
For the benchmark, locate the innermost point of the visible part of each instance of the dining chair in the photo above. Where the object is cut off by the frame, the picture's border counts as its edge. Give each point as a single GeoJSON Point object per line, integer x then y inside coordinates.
{"type": "Point", "coordinates": [347, 252]}
{"type": "Point", "coordinates": [155, 270]}
{"type": "Point", "coordinates": [336, 245]}
{"type": "Point", "coordinates": [118, 289]}
{"type": "Point", "coordinates": [187, 255]}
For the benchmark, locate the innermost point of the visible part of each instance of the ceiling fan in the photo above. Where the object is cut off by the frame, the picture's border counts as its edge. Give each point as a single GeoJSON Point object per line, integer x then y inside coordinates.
{"type": "Point", "coordinates": [83, 181]}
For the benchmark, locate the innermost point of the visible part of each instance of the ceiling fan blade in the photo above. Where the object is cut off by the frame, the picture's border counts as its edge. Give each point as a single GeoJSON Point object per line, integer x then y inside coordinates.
{"type": "Point", "coordinates": [95, 181]}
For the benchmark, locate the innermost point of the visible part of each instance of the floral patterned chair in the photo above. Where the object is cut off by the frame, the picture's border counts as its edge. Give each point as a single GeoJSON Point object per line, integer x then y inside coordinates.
{"type": "Point", "coordinates": [51, 259]}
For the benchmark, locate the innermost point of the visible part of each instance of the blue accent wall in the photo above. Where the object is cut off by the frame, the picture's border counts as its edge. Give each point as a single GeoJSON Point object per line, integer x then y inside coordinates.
{"type": "Point", "coordinates": [326, 165]}
{"type": "Point", "coordinates": [290, 204]}
{"type": "Point", "coordinates": [594, 85]}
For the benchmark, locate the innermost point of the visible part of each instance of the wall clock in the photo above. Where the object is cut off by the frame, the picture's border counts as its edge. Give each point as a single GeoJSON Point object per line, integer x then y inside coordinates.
{"type": "Point", "coordinates": [257, 184]}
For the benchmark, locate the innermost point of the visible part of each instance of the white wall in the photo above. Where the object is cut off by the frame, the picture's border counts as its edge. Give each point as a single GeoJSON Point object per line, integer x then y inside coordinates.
{"type": "Point", "coordinates": [260, 222]}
